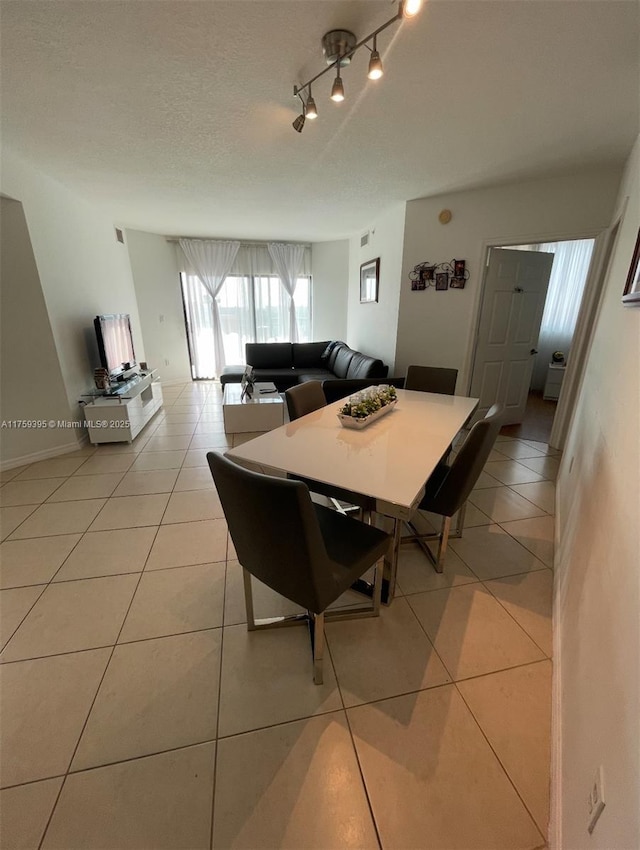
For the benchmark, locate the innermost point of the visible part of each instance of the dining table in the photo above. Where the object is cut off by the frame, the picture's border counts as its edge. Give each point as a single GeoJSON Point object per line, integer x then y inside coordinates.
{"type": "Point", "coordinates": [389, 461]}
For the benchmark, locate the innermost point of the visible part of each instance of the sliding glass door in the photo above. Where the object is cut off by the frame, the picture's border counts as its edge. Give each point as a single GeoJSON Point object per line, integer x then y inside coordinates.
{"type": "Point", "coordinates": [253, 308]}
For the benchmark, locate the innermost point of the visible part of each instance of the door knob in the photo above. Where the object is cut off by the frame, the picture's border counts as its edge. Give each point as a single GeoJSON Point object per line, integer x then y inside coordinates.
{"type": "Point", "coordinates": [533, 351]}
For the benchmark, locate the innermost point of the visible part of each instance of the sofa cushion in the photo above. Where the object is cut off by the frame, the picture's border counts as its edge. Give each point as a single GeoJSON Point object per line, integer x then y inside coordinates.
{"type": "Point", "coordinates": [331, 357]}
{"type": "Point", "coordinates": [342, 361]}
{"type": "Point", "coordinates": [314, 375]}
{"type": "Point", "coordinates": [308, 354]}
{"type": "Point", "coordinates": [269, 355]}
{"type": "Point", "coordinates": [363, 366]}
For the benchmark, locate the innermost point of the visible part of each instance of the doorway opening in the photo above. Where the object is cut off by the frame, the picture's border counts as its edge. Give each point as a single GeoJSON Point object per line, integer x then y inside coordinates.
{"type": "Point", "coordinates": [534, 378]}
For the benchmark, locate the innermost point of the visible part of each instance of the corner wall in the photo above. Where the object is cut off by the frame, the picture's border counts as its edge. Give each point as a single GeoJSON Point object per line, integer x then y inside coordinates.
{"type": "Point", "coordinates": [156, 279]}
{"type": "Point", "coordinates": [597, 584]}
{"type": "Point", "coordinates": [83, 270]}
{"type": "Point", "coordinates": [438, 328]}
{"type": "Point", "coordinates": [31, 385]}
{"type": "Point", "coordinates": [372, 328]}
{"type": "Point", "coordinates": [330, 268]}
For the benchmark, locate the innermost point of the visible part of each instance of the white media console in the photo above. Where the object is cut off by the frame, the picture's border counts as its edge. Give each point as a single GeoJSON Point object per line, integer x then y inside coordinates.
{"type": "Point", "coordinates": [119, 416]}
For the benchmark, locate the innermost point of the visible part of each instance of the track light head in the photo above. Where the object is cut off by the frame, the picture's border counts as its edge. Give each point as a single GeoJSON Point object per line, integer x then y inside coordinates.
{"type": "Point", "coordinates": [312, 112]}
{"type": "Point", "coordinates": [337, 90]}
{"type": "Point", "coordinates": [298, 124]}
{"type": "Point", "coordinates": [375, 62]}
{"type": "Point", "coordinates": [411, 7]}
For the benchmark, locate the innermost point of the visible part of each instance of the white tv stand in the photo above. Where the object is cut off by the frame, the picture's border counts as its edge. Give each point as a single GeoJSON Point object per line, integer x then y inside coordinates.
{"type": "Point", "coordinates": [119, 416]}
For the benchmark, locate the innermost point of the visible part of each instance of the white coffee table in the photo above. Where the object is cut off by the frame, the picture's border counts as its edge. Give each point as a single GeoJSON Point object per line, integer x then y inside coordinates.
{"type": "Point", "coordinates": [262, 412]}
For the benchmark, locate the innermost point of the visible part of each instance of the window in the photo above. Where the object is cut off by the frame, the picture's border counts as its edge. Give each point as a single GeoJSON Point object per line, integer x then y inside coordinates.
{"type": "Point", "coordinates": [253, 308]}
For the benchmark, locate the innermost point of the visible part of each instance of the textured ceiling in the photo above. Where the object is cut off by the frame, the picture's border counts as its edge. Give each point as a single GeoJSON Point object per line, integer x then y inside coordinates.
{"type": "Point", "coordinates": [175, 116]}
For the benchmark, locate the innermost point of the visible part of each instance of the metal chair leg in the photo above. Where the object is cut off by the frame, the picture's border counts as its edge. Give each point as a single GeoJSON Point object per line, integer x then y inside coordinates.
{"type": "Point", "coordinates": [318, 647]}
{"type": "Point", "coordinates": [248, 600]}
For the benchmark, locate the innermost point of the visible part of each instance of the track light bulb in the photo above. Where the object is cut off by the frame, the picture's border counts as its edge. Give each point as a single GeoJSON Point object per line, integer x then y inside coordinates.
{"type": "Point", "coordinates": [298, 124]}
{"type": "Point", "coordinates": [311, 110]}
{"type": "Point", "coordinates": [411, 8]}
{"type": "Point", "coordinates": [375, 66]}
{"type": "Point", "coordinates": [337, 91]}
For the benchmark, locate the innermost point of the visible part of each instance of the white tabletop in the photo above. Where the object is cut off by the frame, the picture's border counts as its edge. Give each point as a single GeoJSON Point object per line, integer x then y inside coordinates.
{"type": "Point", "coordinates": [390, 460]}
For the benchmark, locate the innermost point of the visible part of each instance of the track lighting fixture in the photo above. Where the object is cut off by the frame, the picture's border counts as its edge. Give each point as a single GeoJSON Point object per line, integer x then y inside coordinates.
{"type": "Point", "coordinates": [375, 62]}
{"type": "Point", "coordinates": [337, 90]}
{"type": "Point", "coordinates": [339, 47]}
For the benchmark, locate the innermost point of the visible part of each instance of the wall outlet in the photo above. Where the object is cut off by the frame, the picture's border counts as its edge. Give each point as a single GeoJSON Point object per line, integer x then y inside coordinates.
{"type": "Point", "coordinates": [595, 802]}
{"type": "Point", "coordinates": [166, 362]}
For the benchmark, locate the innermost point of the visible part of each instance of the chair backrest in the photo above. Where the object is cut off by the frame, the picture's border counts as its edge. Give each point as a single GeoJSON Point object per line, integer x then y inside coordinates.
{"type": "Point", "coordinates": [304, 398]}
{"type": "Point", "coordinates": [467, 465]}
{"type": "Point", "coordinates": [431, 379]}
{"type": "Point", "coordinates": [275, 531]}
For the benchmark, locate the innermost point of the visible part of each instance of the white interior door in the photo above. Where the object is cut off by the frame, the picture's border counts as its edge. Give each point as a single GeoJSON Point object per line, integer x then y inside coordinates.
{"type": "Point", "coordinates": [513, 301]}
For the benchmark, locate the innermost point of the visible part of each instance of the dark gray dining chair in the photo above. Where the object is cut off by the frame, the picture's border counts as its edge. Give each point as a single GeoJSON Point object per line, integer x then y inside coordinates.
{"type": "Point", "coordinates": [431, 379]}
{"type": "Point", "coordinates": [304, 398]}
{"type": "Point", "coordinates": [305, 552]}
{"type": "Point", "coordinates": [447, 490]}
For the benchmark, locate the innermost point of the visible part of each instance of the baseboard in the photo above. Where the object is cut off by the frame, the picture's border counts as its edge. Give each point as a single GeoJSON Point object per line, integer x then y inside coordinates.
{"type": "Point", "coordinates": [45, 454]}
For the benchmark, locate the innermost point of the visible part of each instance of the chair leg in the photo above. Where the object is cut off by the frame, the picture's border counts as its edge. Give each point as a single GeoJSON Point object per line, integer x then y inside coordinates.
{"type": "Point", "coordinates": [460, 522]}
{"type": "Point", "coordinates": [318, 647]}
{"type": "Point", "coordinates": [248, 600]}
{"type": "Point", "coordinates": [442, 545]}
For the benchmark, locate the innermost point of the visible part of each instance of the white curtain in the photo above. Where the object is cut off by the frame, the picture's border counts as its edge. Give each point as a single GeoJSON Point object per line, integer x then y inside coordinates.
{"type": "Point", "coordinates": [288, 259]}
{"type": "Point", "coordinates": [211, 262]}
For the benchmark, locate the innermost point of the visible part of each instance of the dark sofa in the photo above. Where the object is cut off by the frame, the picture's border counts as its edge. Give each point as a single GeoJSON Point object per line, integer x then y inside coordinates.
{"type": "Point", "coordinates": [286, 364]}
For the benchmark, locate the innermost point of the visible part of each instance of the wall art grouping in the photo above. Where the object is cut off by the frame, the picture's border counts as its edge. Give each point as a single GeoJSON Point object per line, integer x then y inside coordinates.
{"type": "Point", "coordinates": [440, 276]}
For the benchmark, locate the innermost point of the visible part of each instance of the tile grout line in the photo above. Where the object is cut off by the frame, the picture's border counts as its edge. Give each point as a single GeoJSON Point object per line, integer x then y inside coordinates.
{"type": "Point", "coordinates": [499, 760]}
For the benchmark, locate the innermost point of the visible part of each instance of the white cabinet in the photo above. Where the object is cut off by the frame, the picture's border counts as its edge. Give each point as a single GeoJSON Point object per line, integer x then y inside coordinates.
{"type": "Point", "coordinates": [119, 417]}
{"type": "Point", "coordinates": [555, 374]}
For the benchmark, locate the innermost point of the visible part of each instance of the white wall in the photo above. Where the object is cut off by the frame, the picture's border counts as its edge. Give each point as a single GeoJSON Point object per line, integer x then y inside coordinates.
{"type": "Point", "coordinates": [83, 270]}
{"type": "Point", "coordinates": [438, 328]}
{"type": "Point", "coordinates": [597, 592]}
{"type": "Point", "coordinates": [330, 269]}
{"type": "Point", "coordinates": [31, 385]}
{"type": "Point", "coordinates": [371, 328]}
{"type": "Point", "coordinates": [156, 279]}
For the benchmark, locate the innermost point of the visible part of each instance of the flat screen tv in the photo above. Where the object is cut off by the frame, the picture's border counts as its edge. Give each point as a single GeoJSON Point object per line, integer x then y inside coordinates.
{"type": "Point", "coordinates": [115, 343]}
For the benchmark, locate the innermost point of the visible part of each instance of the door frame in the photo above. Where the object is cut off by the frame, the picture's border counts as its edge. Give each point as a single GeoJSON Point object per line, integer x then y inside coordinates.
{"type": "Point", "coordinates": [600, 237]}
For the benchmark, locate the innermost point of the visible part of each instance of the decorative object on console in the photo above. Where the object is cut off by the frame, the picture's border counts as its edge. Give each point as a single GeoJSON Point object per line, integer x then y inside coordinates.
{"type": "Point", "coordinates": [442, 276]}
{"type": "Point", "coordinates": [558, 357]}
{"type": "Point", "coordinates": [101, 378]}
{"type": "Point", "coordinates": [338, 47]}
{"type": "Point", "coordinates": [248, 382]}
{"type": "Point", "coordinates": [369, 281]}
{"type": "Point", "coordinates": [366, 406]}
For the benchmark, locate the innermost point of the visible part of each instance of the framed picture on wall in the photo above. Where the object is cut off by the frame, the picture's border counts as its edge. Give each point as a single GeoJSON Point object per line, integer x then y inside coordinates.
{"type": "Point", "coordinates": [369, 281]}
{"type": "Point", "coordinates": [442, 280]}
{"type": "Point", "coordinates": [631, 294]}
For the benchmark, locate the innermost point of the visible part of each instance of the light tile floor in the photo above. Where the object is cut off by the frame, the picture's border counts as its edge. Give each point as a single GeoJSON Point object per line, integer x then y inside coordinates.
{"type": "Point", "coordinates": [138, 712]}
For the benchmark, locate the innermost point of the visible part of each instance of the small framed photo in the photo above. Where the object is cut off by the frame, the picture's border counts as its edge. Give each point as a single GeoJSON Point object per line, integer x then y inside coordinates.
{"type": "Point", "coordinates": [369, 281]}
{"type": "Point", "coordinates": [458, 268]}
{"type": "Point", "coordinates": [631, 294]}
{"type": "Point", "coordinates": [457, 283]}
{"type": "Point", "coordinates": [442, 280]}
{"type": "Point", "coordinates": [427, 274]}
{"type": "Point", "coordinates": [418, 285]}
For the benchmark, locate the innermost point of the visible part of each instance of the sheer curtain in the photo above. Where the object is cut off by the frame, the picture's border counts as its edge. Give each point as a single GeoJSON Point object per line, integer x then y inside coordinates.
{"type": "Point", "coordinates": [287, 260]}
{"type": "Point", "coordinates": [212, 262]}
{"type": "Point", "coordinates": [252, 305]}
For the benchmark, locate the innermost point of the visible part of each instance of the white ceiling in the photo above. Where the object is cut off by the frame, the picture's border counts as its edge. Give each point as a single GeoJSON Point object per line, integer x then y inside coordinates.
{"type": "Point", "coordinates": [176, 115]}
